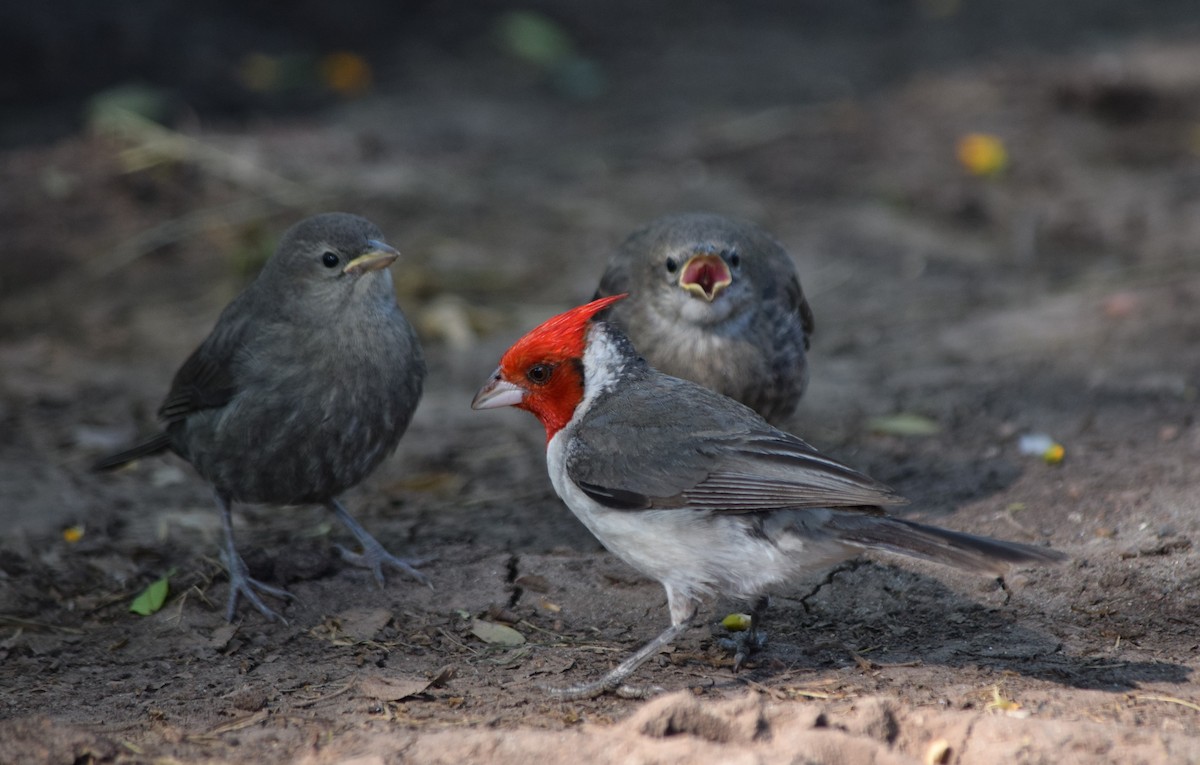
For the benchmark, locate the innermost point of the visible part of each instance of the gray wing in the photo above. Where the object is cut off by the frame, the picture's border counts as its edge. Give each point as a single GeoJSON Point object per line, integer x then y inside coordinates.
{"type": "Point", "coordinates": [670, 443]}
{"type": "Point", "coordinates": [615, 280]}
{"type": "Point", "coordinates": [798, 305]}
{"type": "Point", "coordinates": [207, 379]}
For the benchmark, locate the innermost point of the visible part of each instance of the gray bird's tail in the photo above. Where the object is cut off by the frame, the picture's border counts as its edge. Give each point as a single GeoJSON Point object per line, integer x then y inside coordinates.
{"type": "Point", "coordinates": [153, 445]}
{"type": "Point", "coordinates": [953, 548]}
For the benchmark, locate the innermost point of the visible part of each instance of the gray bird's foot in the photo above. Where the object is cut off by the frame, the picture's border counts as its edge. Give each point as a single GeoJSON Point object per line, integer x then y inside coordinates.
{"type": "Point", "coordinates": [743, 645]}
{"type": "Point", "coordinates": [242, 584]}
{"type": "Point", "coordinates": [749, 641]}
{"type": "Point", "coordinates": [240, 581]}
{"type": "Point", "coordinates": [374, 556]}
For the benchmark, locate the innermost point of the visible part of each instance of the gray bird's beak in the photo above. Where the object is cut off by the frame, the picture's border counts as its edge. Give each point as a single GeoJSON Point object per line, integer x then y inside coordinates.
{"type": "Point", "coordinates": [381, 256]}
{"type": "Point", "coordinates": [705, 275]}
{"type": "Point", "coordinates": [497, 393]}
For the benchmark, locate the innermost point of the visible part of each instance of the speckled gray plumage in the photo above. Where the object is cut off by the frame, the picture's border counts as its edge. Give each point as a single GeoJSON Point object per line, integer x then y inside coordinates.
{"type": "Point", "coordinates": [306, 383]}
{"type": "Point", "coordinates": [749, 343]}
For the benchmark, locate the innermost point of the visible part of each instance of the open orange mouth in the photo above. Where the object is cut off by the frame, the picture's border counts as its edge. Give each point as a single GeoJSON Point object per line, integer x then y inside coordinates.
{"type": "Point", "coordinates": [705, 276]}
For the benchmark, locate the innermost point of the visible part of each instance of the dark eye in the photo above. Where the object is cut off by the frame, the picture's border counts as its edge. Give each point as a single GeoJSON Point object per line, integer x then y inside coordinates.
{"type": "Point", "coordinates": [330, 259]}
{"type": "Point", "coordinates": [539, 374]}
{"type": "Point", "coordinates": [735, 260]}
{"type": "Point", "coordinates": [672, 266]}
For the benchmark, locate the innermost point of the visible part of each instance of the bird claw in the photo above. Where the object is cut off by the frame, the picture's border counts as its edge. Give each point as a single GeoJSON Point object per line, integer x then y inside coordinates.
{"type": "Point", "coordinates": [376, 557]}
{"type": "Point", "coordinates": [743, 646]}
{"type": "Point", "coordinates": [242, 584]}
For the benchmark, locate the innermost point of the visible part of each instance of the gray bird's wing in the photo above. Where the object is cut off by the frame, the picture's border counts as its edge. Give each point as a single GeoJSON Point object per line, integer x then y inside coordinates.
{"type": "Point", "coordinates": [663, 442]}
{"type": "Point", "coordinates": [615, 279]}
{"type": "Point", "coordinates": [207, 380]}
{"type": "Point", "coordinates": [799, 306]}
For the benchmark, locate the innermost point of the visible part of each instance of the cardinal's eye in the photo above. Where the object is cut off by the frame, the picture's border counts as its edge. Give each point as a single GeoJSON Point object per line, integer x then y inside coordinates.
{"type": "Point", "coordinates": [735, 260]}
{"type": "Point", "coordinates": [672, 265]}
{"type": "Point", "coordinates": [539, 374]}
{"type": "Point", "coordinates": [330, 259]}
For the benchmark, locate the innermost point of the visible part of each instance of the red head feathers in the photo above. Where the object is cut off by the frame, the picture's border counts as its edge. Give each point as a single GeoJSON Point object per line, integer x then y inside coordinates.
{"type": "Point", "coordinates": [541, 372]}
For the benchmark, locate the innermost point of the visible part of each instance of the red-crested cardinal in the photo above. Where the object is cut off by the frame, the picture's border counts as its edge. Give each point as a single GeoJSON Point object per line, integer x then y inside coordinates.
{"type": "Point", "coordinates": [716, 301]}
{"type": "Point", "coordinates": [694, 489]}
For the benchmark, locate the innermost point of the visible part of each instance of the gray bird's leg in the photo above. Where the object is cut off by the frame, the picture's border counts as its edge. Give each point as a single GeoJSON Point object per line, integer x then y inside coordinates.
{"type": "Point", "coordinates": [683, 613]}
{"type": "Point", "coordinates": [373, 556]}
{"type": "Point", "coordinates": [614, 681]}
{"type": "Point", "coordinates": [747, 642]}
{"type": "Point", "coordinates": [240, 581]}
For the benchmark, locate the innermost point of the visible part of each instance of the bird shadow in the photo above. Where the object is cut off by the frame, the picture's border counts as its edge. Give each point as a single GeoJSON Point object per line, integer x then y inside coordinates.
{"type": "Point", "coordinates": [897, 617]}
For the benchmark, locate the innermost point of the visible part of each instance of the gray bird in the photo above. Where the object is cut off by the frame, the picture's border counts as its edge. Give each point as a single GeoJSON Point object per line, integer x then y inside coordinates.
{"type": "Point", "coordinates": [718, 302]}
{"type": "Point", "coordinates": [306, 383]}
{"type": "Point", "coordinates": [696, 490]}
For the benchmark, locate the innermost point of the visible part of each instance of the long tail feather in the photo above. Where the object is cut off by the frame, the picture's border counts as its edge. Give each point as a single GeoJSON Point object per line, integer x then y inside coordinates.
{"type": "Point", "coordinates": [953, 548]}
{"type": "Point", "coordinates": [153, 445]}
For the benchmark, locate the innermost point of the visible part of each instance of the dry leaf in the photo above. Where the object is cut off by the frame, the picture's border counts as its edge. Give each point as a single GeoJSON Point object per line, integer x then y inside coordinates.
{"type": "Point", "coordinates": [391, 688]}
{"type": "Point", "coordinates": [496, 634]}
{"type": "Point", "coordinates": [361, 624]}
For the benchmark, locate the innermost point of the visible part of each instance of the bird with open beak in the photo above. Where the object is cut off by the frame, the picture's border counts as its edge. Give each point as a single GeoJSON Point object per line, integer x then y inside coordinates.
{"type": "Point", "coordinates": [716, 301]}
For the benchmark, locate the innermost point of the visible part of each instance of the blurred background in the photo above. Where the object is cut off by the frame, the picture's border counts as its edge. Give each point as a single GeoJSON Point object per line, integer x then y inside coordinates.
{"type": "Point", "coordinates": [228, 62]}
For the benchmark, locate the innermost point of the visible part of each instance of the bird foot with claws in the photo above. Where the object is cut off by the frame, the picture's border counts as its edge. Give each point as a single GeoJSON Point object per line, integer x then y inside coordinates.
{"type": "Point", "coordinates": [376, 557]}
{"type": "Point", "coordinates": [241, 584]}
{"type": "Point", "coordinates": [743, 645]}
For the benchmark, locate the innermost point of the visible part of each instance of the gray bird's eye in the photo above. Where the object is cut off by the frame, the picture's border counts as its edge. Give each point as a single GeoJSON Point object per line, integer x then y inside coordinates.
{"type": "Point", "coordinates": [330, 259]}
{"type": "Point", "coordinates": [735, 260]}
{"type": "Point", "coordinates": [539, 374]}
{"type": "Point", "coordinates": [672, 265]}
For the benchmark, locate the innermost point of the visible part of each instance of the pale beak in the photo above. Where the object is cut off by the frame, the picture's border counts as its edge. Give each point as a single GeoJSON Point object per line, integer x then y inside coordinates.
{"type": "Point", "coordinates": [705, 275]}
{"type": "Point", "coordinates": [496, 393]}
{"type": "Point", "coordinates": [381, 256]}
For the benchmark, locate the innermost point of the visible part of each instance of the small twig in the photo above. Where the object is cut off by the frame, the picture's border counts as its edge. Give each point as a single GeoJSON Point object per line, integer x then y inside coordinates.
{"type": "Point", "coordinates": [1167, 699]}
{"type": "Point", "coordinates": [456, 641]}
{"type": "Point", "coordinates": [326, 697]}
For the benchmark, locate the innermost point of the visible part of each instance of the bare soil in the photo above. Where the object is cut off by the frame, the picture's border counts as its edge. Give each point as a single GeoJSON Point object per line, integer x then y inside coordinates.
{"type": "Point", "coordinates": [1060, 296]}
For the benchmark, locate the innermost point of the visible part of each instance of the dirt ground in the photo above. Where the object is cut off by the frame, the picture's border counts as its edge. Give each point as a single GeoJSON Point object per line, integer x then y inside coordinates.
{"type": "Point", "coordinates": [1061, 296]}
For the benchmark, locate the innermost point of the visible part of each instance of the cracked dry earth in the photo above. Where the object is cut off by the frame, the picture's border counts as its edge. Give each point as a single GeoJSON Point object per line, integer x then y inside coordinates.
{"type": "Point", "coordinates": [1062, 297]}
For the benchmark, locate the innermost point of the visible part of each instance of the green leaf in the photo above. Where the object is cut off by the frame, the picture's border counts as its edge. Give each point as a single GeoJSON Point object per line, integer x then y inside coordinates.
{"type": "Point", "coordinates": [152, 598]}
{"type": "Point", "coordinates": [904, 424]}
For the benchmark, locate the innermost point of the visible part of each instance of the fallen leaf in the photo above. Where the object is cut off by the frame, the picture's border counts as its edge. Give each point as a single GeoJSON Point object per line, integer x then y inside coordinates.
{"type": "Point", "coordinates": [443, 676]}
{"type": "Point", "coordinates": [362, 624]}
{"type": "Point", "coordinates": [222, 635]}
{"type": "Point", "coordinates": [534, 582]}
{"type": "Point", "coordinates": [904, 424]}
{"type": "Point", "coordinates": [496, 634]}
{"type": "Point", "coordinates": [392, 688]}
{"type": "Point", "coordinates": [152, 598]}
